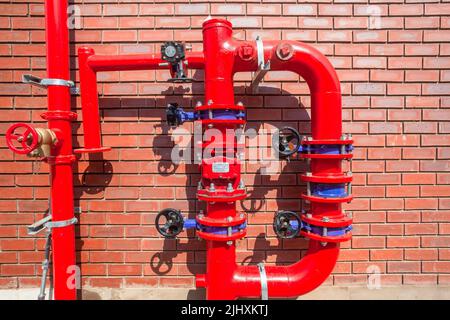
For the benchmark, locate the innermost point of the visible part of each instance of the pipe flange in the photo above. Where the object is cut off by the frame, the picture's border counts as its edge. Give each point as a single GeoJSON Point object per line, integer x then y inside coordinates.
{"type": "Point", "coordinates": [284, 51]}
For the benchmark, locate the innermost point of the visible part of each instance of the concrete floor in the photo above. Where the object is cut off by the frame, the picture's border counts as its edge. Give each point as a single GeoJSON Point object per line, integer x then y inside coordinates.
{"type": "Point", "coordinates": [408, 292]}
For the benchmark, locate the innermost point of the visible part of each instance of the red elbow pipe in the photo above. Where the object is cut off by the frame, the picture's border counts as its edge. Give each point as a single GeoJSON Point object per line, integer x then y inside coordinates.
{"type": "Point", "coordinates": [90, 64]}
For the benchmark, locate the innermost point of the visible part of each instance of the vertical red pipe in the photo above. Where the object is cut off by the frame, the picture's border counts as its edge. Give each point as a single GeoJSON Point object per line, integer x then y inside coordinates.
{"type": "Point", "coordinates": [218, 62]}
{"type": "Point", "coordinates": [89, 102]}
{"type": "Point", "coordinates": [221, 257]}
{"type": "Point", "coordinates": [61, 161]}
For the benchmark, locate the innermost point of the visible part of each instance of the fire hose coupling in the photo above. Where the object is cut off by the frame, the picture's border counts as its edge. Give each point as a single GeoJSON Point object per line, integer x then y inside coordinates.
{"type": "Point", "coordinates": [22, 138]}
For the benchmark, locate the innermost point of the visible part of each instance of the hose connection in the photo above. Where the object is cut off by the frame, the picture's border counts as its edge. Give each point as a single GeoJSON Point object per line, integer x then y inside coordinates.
{"type": "Point", "coordinates": [22, 138]}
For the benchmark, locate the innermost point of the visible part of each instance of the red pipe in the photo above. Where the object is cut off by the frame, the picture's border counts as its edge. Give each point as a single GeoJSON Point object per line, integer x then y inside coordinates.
{"type": "Point", "coordinates": [90, 64]}
{"type": "Point", "coordinates": [59, 119]}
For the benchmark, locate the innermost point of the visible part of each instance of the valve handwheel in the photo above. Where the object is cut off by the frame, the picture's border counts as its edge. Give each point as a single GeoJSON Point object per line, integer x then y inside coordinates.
{"type": "Point", "coordinates": [286, 224]}
{"type": "Point", "coordinates": [174, 223]}
{"type": "Point", "coordinates": [24, 135]}
{"type": "Point", "coordinates": [287, 141]}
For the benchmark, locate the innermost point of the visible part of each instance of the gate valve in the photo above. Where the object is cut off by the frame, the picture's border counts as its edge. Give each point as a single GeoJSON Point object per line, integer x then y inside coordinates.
{"type": "Point", "coordinates": [33, 142]}
{"type": "Point", "coordinates": [174, 53]}
{"type": "Point", "coordinates": [176, 116]}
{"type": "Point", "coordinates": [173, 224]}
{"type": "Point", "coordinates": [286, 141]}
{"type": "Point", "coordinates": [22, 138]}
{"type": "Point", "coordinates": [286, 224]}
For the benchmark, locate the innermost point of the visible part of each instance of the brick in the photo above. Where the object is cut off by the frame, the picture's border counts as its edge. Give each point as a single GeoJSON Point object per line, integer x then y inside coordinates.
{"type": "Point", "coordinates": [403, 267]}
{"type": "Point", "coordinates": [299, 9]}
{"type": "Point", "coordinates": [419, 279]}
{"type": "Point", "coordinates": [436, 266]}
{"type": "Point", "coordinates": [386, 254]}
{"type": "Point", "coordinates": [402, 242]}
{"type": "Point", "coordinates": [421, 254]}
{"type": "Point", "coordinates": [271, 9]}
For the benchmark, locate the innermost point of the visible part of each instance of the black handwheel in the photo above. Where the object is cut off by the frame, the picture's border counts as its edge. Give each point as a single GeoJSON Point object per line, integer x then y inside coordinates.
{"type": "Point", "coordinates": [171, 115]}
{"type": "Point", "coordinates": [172, 226]}
{"type": "Point", "coordinates": [286, 141]}
{"type": "Point", "coordinates": [282, 224]}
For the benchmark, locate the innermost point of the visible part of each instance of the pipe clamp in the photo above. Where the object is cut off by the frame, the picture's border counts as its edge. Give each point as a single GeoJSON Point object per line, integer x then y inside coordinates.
{"type": "Point", "coordinates": [264, 286]}
{"type": "Point", "coordinates": [46, 82]}
{"type": "Point", "coordinates": [59, 224]}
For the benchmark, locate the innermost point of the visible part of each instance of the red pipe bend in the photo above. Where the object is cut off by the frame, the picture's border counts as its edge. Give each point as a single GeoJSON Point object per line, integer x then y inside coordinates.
{"type": "Point", "coordinates": [326, 123]}
{"type": "Point", "coordinates": [288, 281]}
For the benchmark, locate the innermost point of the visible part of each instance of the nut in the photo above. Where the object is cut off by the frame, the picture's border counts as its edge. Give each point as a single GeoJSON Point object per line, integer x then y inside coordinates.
{"type": "Point", "coordinates": [246, 52]}
{"type": "Point", "coordinates": [284, 51]}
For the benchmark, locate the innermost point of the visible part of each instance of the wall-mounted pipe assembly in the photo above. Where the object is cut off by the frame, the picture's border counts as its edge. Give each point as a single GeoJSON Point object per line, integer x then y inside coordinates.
{"type": "Point", "coordinates": [324, 224]}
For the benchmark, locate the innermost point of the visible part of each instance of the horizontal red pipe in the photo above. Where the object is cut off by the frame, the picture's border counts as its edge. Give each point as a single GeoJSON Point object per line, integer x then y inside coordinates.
{"type": "Point", "coordinates": [100, 63]}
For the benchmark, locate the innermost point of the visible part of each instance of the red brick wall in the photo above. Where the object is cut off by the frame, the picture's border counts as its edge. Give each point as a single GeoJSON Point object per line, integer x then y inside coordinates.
{"type": "Point", "coordinates": [395, 81]}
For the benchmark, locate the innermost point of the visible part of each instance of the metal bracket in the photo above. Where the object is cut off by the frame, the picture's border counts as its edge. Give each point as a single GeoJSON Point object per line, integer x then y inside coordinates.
{"type": "Point", "coordinates": [264, 287]}
{"type": "Point", "coordinates": [263, 67]}
{"type": "Point", "coordinates": [38, 226]}
{"type": "Point", "coordinates": [46, 82]}
{"type": "Point", "coordinates": [47, 223]}
{"type": "Point", "coordinates": [59, 224]}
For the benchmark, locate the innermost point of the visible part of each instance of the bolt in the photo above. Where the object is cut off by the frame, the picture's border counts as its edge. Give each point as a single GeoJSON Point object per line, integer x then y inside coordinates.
{"type": "Point", "coordinates": [229, 243]}
{"type": "Point", "coordinates": [240, 104]}
{"type": "Point", "coordinates": [200, 186]}
{"type": "Point", "coordinates": [199, 103]}
{"type": "Point", "coordinates": [245, 52]}
{"type": "Point", "coordinates": [309, 138]}
{"type": "Point", "coordinates": [309, 174]}
{"type": "Point", "coordinates": [212, 188]}
{"type": "Point", "coordinates": [229, 219]}
{"type": "Point", "coordinates": [326, 219]}
{"type": "Point", "coordinates": [210, 102]}
{"type": "Point", "coordinates": [323, 244]}
{"type": "Point", "coordinates": [241, 185]}
{"type": "Point", "coordinates": [284, 51]}
{"type": "Point", "coordinates": [230, 187]}
{"type": "Point", "coordinates": [349, 136]}
{"type": "Point", "coordinates": [210, 126]}
{"type": "Point", "coordinates": [309, 215]}
{"type": "Point", "coordinates": [200, 215]}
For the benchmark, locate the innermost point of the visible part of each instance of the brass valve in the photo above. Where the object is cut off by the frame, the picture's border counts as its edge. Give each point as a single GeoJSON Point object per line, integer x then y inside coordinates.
{"type": "Point", "coordinates": [46, 140]}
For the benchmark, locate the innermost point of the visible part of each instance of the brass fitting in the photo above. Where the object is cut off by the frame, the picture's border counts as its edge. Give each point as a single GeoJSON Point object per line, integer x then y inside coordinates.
{"type": "Point", "coordinates": [47, 139]}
